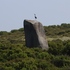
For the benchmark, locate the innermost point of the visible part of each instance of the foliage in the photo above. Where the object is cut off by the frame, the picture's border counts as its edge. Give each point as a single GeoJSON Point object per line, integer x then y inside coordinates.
{"type": "Point", "coordinates": [14, 55]}
{"type": "Point", "coordinates": [58, 30]}
{"type": "Point", "coordinates": [17, 57]}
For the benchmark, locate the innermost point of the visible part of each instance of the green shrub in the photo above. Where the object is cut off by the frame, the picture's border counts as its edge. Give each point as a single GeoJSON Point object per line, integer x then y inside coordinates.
{"type": "Point", "coordinates": [66, 50]}
{"type": "Point", "coordinates": [56, 47]}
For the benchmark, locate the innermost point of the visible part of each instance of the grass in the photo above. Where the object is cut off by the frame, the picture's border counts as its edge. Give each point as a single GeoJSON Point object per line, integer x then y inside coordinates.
{"type": "Point", "coordinates": [61, 38]}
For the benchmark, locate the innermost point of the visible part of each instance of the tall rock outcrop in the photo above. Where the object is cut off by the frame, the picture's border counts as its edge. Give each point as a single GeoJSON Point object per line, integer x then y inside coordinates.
{"type": "Point", "coordinates": [34, 34]}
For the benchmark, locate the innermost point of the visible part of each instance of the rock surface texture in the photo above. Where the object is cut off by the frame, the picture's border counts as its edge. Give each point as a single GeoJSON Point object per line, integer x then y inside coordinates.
{"type": "Point", "coordinates": [35, 34]}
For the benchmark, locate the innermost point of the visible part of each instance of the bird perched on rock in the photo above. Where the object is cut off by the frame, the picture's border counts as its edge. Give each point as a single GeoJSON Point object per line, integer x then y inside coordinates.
{"type": "Point", "coordinates": [35, 16]}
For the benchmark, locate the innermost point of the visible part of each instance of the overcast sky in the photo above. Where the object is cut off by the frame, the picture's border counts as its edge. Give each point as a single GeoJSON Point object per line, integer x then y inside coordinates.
{"type": "Point", "coordinates": [49, 12]}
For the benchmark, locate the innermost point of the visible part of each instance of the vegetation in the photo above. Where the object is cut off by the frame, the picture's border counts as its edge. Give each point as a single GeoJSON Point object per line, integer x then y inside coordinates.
{"type": "Point", "coordinates": [58, 30]}
{"type": "Point", "coordinates": [14, 55]}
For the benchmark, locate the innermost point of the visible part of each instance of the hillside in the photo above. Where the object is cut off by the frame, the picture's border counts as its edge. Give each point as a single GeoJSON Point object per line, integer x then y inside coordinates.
{"type": "Point", "coordinates": [58, 30]}
{"type": "Point", "coordinates": [54, 31]}
{"type": "Point", "coordinates": [14, 55]}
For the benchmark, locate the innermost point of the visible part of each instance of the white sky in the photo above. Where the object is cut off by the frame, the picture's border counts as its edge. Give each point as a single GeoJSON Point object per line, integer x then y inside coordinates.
{"type": "Point", "coordinates": [49, 12]}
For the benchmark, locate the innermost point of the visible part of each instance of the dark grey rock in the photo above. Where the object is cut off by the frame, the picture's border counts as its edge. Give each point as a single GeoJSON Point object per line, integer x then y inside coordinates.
{"type": "Point", "coordinates": [34, 34]}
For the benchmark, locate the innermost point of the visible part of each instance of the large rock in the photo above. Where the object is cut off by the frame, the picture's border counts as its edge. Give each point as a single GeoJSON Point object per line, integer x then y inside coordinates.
{"type": "Point", "coordinates": [34, 34]}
